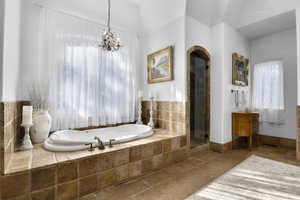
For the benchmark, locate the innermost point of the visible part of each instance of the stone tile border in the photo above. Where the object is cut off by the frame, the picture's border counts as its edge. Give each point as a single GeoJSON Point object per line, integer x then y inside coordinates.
{"type": "Point", "coordinates": [167, 115]}
{"type": "Point", "coordinates": [40, 174]}
{"type": "Point", "coordinates": [221, 148]}
{"type": "Point", "coordinates": [10, 130]}
{"type": "Point", "coordinates": [39, 157]}
{"type": "Point", "coordinates": [73, 179]}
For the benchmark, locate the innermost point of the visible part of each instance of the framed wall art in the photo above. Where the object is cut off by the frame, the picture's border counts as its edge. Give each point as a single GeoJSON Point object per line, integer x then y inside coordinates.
{"type": "Point", "coordinates": [240, 70]}
{"type": "Point", "coordinates": [160, 66]}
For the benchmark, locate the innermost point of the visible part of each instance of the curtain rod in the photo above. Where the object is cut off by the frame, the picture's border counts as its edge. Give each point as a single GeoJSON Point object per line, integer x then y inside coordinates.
{"type": "Point", "coordinates": [77, 17]}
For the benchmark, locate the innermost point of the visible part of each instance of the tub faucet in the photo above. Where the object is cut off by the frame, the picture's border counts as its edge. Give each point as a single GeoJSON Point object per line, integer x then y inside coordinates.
{"type": "Point", "coordinates": [100, 144]}
{"type": "Point", "coordinates": [111, 143]}
{"type": "Point", "coordinates": [91, 146]}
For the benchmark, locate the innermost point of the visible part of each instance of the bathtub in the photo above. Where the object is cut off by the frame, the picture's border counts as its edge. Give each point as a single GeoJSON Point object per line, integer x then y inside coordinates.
{"type": "Point", "coordinates": [71, 140]}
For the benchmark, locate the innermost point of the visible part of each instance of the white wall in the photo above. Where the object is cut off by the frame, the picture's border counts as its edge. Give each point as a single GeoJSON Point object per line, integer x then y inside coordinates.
{"type": "Point", "coordinates": [197, 33]}
{"type": "Point", "coordinates": [11, 50]}
{"type": "Point", "coordinates": [222, 41]}
{"type": "Point", "coordinates": [225, 41]}
{"type": "Point", "coordinates": [234, 42]}
{"type": "Point", "coordinates": [172, 34]}
{"type": "Point", "coordinates": [29, 46]}
{"type": "Point", "coordinates": [298, 54]}
{"type": "Point", "coordinates": [217, 86]}
{"type": "Point", "coordinates": [2, 6]}
{"type": "Point", "coordinates": [213, 40]}
{"type": "Point", "coordinates": [280, 46]}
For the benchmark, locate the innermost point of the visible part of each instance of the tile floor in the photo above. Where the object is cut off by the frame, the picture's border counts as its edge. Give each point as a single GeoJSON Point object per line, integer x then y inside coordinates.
{"type": "Point", "coordinates": [178, 181]}
{"type": "Point", "coordinates": [195, 142]}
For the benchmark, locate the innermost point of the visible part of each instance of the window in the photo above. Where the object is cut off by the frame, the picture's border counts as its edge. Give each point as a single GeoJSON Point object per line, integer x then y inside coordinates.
{"type": "Point", "coordinates": [84, 85]}
{"type": "Point", "coordinates": [268, 96]}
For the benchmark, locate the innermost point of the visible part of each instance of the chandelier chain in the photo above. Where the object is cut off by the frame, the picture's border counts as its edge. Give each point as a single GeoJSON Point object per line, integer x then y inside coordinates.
{"type": "Point", "coordinates": [108, 15]}
{"type": "Point", "coordinates": [109, 40]}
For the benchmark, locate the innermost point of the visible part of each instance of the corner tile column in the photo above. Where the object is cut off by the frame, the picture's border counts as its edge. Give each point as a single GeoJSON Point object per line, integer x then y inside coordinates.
{"type": "Point", "coordinates": [10, 130]}
{"type": "Point", "coordinates": [167, 115]}
{"type": "Point", "coordinates": [298, 134]}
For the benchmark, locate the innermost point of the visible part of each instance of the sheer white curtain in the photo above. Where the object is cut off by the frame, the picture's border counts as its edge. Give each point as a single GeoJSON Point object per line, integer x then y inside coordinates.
{"type": "Point", "coordinates": [268, 94]}
{"type": "Point", "coordinates": [85, 85]}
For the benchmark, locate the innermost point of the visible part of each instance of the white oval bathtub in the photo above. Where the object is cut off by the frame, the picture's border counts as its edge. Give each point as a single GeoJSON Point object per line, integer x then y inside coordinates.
{"type": "Point", "coordinates": [71, 140]}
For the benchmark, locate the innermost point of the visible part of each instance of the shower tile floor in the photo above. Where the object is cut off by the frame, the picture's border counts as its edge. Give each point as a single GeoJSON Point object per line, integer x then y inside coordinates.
{"type": "Point", "coordinates": [195, 142]}
{"type": "Point", "coordinates": [180, 180]}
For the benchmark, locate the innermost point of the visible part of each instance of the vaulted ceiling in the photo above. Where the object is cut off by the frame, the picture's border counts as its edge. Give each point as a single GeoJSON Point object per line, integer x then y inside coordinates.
{"type": "Point", "coordinates": [157, 13]}
{"type": "Point", "coordinates": [146, 16]}
{"type": "Point", "coordinates": [254, 18]}
{"type": "Point", "coordinates": [124, 12]}
{"type": "Point", "coordinates": [212, 12]}
{"type": "Point", "coordinates": [238, 13]}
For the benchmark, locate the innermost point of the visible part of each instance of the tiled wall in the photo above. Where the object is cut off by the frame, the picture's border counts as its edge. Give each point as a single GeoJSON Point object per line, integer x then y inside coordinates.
{"type": "Point", "coordinates": [298, 134]}
{"type": "Point", "coordinates": [10, 129]}
{"type": "Point", "coordinates": [167, 115]}
{"type": "Point", "coordinates": [78, 178]}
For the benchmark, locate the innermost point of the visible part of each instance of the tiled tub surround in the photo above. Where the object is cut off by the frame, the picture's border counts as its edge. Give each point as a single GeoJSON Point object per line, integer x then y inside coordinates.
{"type": "Point", "coordinates": [10, 130]}
{"type": "Point", "coordinates": [298, 134]}
{"type": "Point", "coordinates": [167, 115]}
{"type": "Point", "coordinates": [39, 174]}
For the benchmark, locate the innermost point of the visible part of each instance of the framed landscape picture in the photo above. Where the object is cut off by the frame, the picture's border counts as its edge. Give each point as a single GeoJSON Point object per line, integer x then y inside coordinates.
{"type": "Point", "coordinates": [160, 66]}
{"type": "Point", "coordinates": [240, 70]}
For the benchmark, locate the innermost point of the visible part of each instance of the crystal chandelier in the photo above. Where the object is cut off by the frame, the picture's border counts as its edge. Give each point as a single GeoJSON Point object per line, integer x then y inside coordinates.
{"type": "Point", "coordinates": [109, 40]}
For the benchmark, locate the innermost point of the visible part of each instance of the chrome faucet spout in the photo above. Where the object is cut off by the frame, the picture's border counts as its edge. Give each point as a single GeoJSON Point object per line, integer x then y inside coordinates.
{"type": "Point", "coordinates": [111, 143]}
{"type": "Point", "coordinates": [100, 143]}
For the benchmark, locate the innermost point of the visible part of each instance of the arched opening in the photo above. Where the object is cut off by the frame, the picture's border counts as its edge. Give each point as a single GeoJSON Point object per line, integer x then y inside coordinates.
{"type": "Point", "coordinates": [198, 95]}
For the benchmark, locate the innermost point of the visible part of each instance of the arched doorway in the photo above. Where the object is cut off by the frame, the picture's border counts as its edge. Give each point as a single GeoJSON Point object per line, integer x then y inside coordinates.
{"type": "Point", "coordinates": [198, 95]}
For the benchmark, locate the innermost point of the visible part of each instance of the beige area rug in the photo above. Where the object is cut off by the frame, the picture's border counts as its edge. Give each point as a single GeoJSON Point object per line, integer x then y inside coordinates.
{"type": "Point", "coordinates": [255, 178]}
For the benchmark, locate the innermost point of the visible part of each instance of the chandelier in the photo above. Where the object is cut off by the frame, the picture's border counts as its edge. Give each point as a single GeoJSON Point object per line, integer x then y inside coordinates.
{"type": "Point", "coordinates": [110, 42]}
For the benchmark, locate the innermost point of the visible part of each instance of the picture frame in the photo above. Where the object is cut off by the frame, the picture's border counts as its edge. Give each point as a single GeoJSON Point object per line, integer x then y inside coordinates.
{"type": "Point", "coordinates": [240, 70]}
{"type": "Point", "coordinates": [160, 66]}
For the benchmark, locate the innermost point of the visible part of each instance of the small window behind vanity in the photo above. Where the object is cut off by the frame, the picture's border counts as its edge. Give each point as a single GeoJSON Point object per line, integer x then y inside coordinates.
{"type": "Point", "coordinates": [268, 94]}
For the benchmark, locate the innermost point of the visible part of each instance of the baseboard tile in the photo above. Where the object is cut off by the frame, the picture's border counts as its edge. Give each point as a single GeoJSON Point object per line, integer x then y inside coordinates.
{"type": "Point", "coordinates": [221, 148]}
{"type": "Point", "coordinates": [277, 141]}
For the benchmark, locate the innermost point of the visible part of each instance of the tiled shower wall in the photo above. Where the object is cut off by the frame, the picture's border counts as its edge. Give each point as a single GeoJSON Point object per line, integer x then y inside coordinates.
{"type": "Point", "coordinates": [10, 130]}
{"type": "Point", "coordinates": [167, 115]}
{"type": "Point", "coordinates": [298, 133]}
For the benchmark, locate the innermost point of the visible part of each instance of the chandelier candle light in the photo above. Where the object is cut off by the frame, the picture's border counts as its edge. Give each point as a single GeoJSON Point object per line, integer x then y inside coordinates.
{"type": "Point", "coordinates": [109, 40]}
{"type": "Point", "coordinates": [151, 121]}
{"type": "Point", "coordinates": [26, 123]}
{"type": "Point", "coordinates": [140, 98]}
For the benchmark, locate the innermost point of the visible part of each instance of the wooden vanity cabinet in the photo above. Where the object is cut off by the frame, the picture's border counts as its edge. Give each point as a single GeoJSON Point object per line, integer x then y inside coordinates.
{"type": "Point", "coordinates": [245, 125]}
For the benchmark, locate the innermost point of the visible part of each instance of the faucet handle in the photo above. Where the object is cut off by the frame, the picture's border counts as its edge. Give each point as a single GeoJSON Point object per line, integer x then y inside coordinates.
{"type": "Point", "coordinates": [91, 146]}
{"type": "Point", "coordinates": [110, 143]}
{"type": "Point", "coordinates": [100, 143]}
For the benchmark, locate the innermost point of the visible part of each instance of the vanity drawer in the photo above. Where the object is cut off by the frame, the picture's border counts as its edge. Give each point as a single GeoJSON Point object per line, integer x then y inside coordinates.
{"type": "Point", "coordinates": [244, 124]}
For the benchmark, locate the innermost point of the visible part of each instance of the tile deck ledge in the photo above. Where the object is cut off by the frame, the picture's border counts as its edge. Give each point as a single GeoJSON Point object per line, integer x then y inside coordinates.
{"type": "Point", "coordinates": [40, 158]}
